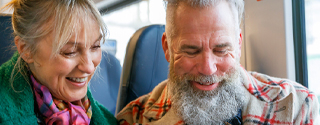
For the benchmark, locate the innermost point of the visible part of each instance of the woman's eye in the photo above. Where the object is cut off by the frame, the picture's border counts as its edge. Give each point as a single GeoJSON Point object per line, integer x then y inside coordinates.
{"type": "Point", "coordinates": [69, 54]}
{"type": "Point", "coordinates": [96, 47]}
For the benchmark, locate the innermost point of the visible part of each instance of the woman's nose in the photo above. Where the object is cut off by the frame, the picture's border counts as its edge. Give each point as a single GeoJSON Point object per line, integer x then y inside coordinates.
{"type": "Point", "coordinates": [86, 64]}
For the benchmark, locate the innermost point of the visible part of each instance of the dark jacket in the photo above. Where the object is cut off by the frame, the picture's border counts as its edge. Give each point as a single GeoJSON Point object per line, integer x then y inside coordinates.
{"type": "Point", "coordinates": [17, 100]}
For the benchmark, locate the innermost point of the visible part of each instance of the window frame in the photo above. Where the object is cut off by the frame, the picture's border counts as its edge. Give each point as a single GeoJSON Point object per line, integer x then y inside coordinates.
{"type": "Point", "coordinates": [299, 37]}
{"type": "Point", "coordinates": [118, 5]}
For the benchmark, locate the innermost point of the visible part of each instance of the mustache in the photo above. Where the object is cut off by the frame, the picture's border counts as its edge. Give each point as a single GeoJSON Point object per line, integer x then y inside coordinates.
{"type": "Point", "coordinates": [227, 77]}
{"type": "Point", "coordinates": [204, 78]}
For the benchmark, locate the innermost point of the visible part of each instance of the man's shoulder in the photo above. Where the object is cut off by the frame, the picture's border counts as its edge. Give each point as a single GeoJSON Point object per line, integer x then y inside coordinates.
{"type": "Point", "coordinates": [135, 110]}
{"type": "Point", "coordinates": [280, 99]}
{"type": "Point", "coordinates": [282, 85]}
{"type": "Point", "coordinates": [149, 98]}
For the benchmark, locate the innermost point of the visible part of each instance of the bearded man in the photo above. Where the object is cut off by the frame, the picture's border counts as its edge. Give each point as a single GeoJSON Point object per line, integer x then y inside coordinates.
{"type": "Point", "coordinates": [207, 85]}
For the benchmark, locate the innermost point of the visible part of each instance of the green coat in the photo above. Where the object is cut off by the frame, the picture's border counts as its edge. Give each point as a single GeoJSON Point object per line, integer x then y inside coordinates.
{"type": "Point", "coordinates": [17, 106]}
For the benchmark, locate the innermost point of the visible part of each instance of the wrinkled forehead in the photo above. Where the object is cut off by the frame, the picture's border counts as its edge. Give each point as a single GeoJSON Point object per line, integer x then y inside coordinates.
{"type": "Point", "coordinates": [215, 21]}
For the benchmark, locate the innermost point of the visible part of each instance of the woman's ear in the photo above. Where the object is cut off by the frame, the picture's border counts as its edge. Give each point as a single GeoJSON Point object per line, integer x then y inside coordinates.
{"type": "Point", "coordinates": [23, 50]}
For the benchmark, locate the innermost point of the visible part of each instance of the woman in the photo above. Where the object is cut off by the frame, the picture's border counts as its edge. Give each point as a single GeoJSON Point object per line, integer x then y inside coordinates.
{"type": "Point", "coordinates": [45, 82]}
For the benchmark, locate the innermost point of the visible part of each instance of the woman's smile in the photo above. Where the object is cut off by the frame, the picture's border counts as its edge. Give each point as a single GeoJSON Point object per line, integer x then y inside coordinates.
{"type": "Point", "coordinates": [77, 82]}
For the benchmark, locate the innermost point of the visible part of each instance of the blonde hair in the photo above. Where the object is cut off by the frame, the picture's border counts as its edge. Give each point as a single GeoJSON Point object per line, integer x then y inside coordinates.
{"type": "Point", "coordinates": [35, 19]}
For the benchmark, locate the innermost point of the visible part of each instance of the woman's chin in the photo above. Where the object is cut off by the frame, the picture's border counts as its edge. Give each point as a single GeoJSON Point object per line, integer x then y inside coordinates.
{"type": "Point", "coordinates": [72, 92]}
{"type": "Point", "coordinates": [75, 95]}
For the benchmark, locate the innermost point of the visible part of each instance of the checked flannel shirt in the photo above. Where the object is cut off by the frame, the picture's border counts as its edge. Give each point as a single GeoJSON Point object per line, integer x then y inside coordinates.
{"type": "Point", "coordinates": [272, 101]}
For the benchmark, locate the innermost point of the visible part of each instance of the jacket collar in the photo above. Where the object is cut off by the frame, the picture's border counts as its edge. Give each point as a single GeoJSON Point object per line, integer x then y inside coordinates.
{"type": "Point", "coordinates": [263, 87]}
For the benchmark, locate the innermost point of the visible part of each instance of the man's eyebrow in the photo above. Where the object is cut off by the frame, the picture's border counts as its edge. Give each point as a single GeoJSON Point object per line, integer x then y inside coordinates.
{"type": "Point", "coordinates": [183, 47]}
{"type": "Point", "coordinates": [223, 45]}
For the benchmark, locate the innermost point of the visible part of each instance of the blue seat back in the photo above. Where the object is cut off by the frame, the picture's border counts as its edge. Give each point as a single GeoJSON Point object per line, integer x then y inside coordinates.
{"type": "Point", "coordinates": [104, 84]}
{"type": "Point", "coordinates": [144, 66]}
{"type": "Point", "coordinates": [6, 38]}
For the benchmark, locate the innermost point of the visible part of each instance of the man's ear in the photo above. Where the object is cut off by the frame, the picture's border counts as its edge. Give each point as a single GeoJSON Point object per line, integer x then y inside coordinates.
{"type": "Point", "coordinates": [23, 50]}
{"type": "Point", "coordinates": [240, 43]}
{"type": "Point", "coordinates": [165, 46]}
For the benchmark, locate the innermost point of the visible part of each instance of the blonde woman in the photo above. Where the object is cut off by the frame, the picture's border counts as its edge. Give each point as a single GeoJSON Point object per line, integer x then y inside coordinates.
{"type": "Point", "coordinates": [58, 50]}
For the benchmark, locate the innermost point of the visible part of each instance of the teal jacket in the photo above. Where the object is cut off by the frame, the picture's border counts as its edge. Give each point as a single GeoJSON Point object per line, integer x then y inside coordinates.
{"type": "Point", "coordinates": [17, 105]}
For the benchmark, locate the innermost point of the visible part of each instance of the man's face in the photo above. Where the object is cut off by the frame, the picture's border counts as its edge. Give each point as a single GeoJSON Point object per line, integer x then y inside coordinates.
{"type": "Point", "coordinates": [204, 43]}
{"type": "Point", "coordinates": [204, 73]}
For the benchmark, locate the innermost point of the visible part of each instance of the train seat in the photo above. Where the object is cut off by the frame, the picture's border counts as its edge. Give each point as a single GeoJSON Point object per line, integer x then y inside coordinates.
{"type": "Point", "coordinates": [104, 84]}
{"type": "Point", "coordinates": [6, 38]}
{"type": "Point", "coordinates": [144, 65]}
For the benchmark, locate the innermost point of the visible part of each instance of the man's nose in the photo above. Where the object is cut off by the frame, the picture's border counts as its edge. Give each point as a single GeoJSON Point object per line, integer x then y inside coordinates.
{"type": "Point", "coordinates": [208, 64]}
{"type": "Point", "coordinates": [86, 64]}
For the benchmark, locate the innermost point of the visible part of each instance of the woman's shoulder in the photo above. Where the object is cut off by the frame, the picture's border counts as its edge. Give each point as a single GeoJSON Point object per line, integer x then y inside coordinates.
{"type": "Point", "coordinates": [7, 67]}
{"type": "Point", "coordinates": [18, 107]}
{"type": "Point", "coordinates": [5, 74]}
{"type": "Point", "coordinates": [11, 78]}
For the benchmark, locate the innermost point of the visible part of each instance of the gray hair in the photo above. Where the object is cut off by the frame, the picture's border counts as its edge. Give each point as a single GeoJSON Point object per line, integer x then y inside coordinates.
{"type": "Point", "coordinates": [237, 7]}
{"type": "Point", "coordinates": [36, 19]}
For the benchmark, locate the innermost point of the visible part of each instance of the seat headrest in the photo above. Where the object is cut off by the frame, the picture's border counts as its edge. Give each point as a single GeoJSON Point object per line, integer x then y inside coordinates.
{"type": "Point", "coordinates": [6, 38]}
{"type": "Point", "coordinates": [144, 66]}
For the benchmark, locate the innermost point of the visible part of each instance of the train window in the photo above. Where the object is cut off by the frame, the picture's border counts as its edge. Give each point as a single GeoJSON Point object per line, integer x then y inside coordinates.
{"type": "Point", "coordinates": [312, 27]}
{"type": "Point", "coordinates": [125, 21]}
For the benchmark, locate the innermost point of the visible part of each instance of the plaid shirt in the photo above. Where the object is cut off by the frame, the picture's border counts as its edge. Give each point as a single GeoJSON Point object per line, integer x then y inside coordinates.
{"type": "Point", "coordinates": [272, 101]}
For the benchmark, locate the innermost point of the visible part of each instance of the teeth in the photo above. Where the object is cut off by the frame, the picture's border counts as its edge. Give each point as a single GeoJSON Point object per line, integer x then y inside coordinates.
{"type": "Point", "coordinates": [206, 83]}
{"type": "Point", "coordinates": [78, 79]}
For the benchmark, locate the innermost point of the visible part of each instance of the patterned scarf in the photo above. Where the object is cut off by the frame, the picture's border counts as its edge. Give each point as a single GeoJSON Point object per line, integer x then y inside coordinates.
{"type": "Point", "coordinates": [60, 112]}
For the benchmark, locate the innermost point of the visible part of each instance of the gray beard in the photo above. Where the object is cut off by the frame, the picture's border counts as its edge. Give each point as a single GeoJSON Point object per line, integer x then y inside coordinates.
{"type": "Point", "coordinates": [197, 107]}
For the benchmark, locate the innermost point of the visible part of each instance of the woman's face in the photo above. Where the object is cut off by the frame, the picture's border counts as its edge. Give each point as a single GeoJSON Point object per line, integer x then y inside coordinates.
{"type": "Point", "coordinates": [67, 74]}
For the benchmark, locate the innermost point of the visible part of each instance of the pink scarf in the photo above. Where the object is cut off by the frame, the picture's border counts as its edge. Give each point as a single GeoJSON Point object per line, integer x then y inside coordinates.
{"type": "Point", "coordinates": [60, 112]}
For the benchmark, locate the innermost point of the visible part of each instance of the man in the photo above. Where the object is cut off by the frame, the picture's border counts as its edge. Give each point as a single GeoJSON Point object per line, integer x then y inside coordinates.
{"type": "Point", "coordinates": [206, 83]}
